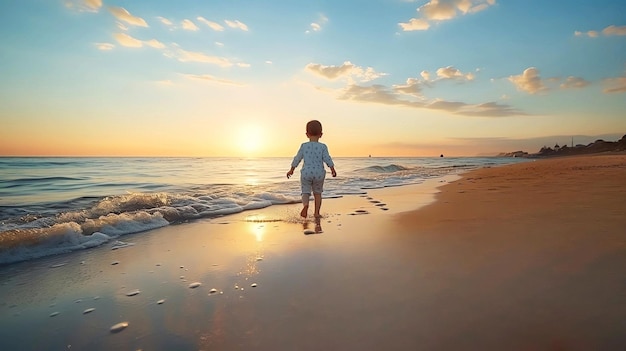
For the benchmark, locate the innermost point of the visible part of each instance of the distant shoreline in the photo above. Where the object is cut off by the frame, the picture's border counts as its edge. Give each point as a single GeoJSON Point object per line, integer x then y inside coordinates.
{"type": "Point", "coordinates": [597, 147]}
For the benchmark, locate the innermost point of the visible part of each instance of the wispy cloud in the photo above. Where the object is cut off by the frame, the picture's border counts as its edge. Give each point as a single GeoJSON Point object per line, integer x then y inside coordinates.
{"type": "Point", "coordinates": [236, 25]}
{"type": "Point", "coordinates": [574, 83]}
{"type": "Point", "coordinates": [608, 31]}
{"type": "Point", "coordinates": [212, 79]}
{"type": "Point", "coordinates": [165, 21]}
{"type": "Point", "coordinates": [155, 44]}
{"type": "Point", "coordinates": [408, 94]}
{"type": "Point", "coordinates": [192, 56]}
{"type": "Point", "coordinates": [84, 5]}
{"type": "Point", "coordinates": [130, 42]}
{"type": "Point", "coordinates": [615, 85]}
{"type": "Point", "coordinates": [188, 25]}
{"type": "Point", "coordinates": [443, 10]}
{"type": "Point", "coordinates": [104, 46]}
{"type": "Point", "coordinates": [127, 41]}
{"type": "Point", "coordinates": [529, 81]}
{"type": "Point", "coordinates": [318, 24]}
{"type": "Point", "coordinates": [213, 25]}
{"type": "Point", "coordinates": [346, 70]}
{"type": "Point", "coordinates": [413, 86]}
{"type": "Point", "coordinates": [123, 15]}
{"type": "Point", "coordinates": [380, 94]}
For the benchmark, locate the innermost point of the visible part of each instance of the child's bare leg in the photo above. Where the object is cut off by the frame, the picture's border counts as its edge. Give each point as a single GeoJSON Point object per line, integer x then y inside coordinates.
{"type": "Point", "coordinates": [305, 205]}
{"type": "Point", "coordinates": [318, 204]}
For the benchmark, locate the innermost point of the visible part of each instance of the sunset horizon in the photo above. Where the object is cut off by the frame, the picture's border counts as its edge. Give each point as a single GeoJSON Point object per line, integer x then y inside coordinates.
{"type": "Point", "coordinates": [386, 78]}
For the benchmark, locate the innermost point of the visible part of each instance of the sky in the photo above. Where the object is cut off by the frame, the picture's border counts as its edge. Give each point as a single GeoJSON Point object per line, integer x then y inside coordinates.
{"type": "Point", "coordinates": [239, 78]}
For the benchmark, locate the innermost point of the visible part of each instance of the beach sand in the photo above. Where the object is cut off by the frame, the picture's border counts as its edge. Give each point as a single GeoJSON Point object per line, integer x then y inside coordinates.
{"type": "Point", "coordinates": [522, 257]}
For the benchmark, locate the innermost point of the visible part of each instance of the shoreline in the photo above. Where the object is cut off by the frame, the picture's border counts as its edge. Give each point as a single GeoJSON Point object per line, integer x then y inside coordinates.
{"type": "Point", "coordinates": [480, 265]}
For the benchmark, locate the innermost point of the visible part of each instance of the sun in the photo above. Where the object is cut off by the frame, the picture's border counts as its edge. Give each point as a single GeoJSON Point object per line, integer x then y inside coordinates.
{"type": "Point", "coordinates": [250, 139]}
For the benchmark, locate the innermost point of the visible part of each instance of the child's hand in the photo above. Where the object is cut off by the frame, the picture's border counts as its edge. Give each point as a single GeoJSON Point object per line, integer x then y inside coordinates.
{"type": "Point", "coordinates": [332, 171]}
{"type": "Point", "coordinates": [290, 173]}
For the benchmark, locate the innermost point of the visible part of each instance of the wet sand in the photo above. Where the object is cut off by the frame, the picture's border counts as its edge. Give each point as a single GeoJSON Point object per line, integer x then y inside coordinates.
{"type": "Point", "coordinates": [522, 257]}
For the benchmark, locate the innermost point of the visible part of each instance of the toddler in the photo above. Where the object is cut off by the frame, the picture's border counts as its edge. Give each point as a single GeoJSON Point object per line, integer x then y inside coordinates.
{"type": "Point", "coordinates": [312, 175]}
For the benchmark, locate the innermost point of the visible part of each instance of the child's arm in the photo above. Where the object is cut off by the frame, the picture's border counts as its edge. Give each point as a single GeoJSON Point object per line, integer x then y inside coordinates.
{"type": "Point", "coordinates": [332, 171]}
{"type": "Point", "coordinates": [296, 161]}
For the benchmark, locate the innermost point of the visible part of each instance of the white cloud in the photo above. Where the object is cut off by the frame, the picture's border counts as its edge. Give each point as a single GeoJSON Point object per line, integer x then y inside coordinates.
{"type": "Point", "coordinates": [215, 26]}
{"type": "Point", "coordinates": [123, 15]}
{"type": "Point", "coordinates": [574, 83]}
{"type": "Point", "coordinates": [415, 24]}
{"type": "Point", "coordinates": [84, 5]}
{"type": "Point", "coordinates": [443, 10]}
{"type": "Point", "coordinates": [347, 70]}
{"type": "Point", "coordinates": [236, 24]}
{"type": "Point", "coordinates": [453, 73]}
{"type": "Point", "coordinates": [529, 81]}
{"type": "Point", "coordinates": [104, 46]}
{"type": "Point", "coordinates": [188, 25]}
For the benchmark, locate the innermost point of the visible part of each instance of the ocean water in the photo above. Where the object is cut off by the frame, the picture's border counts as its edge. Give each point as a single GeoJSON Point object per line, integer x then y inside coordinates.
{"type": "Point", "coordinates": [51, 206]}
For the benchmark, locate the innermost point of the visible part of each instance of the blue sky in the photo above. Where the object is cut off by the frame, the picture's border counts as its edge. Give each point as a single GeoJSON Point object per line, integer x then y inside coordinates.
{"type": "Point", "coordinates": [241, 78]}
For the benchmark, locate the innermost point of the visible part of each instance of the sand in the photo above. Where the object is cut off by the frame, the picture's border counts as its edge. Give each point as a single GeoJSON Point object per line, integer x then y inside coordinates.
{"type": "Point", "coordinates": [522, 257]}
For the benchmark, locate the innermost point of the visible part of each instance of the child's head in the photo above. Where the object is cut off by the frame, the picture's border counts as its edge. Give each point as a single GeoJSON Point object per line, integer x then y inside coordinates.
{"type": "Point", "coordinates": [314, 128]}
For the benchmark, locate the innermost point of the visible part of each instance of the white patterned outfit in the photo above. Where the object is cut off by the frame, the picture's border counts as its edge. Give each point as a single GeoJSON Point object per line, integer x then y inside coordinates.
{"type": "Point", "coordinates": [312, 175]}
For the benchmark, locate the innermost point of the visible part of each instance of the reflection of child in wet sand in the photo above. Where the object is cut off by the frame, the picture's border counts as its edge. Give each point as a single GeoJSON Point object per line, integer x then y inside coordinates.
{"type": "Point", "coordinates": [312, 175]}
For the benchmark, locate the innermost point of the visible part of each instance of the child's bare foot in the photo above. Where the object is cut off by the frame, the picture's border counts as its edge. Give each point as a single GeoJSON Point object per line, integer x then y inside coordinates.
{"type": "Point", "coordinates": [304, 212]}
{"type": "Point", "coordinates": [317, 215]}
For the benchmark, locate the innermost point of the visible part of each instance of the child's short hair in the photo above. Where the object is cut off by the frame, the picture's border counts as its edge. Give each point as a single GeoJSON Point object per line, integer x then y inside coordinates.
{"type": "Point", "coordinates": [314, 128]}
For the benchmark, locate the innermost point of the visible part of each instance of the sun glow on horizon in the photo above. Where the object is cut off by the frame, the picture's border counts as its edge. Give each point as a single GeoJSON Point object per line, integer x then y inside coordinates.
{"type": "Point", "coordinates": [249, 140]}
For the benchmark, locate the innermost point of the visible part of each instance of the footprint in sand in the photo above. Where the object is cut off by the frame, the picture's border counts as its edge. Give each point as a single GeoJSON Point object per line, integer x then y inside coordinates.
{"type": "Point", "coordinates": [359, 212]}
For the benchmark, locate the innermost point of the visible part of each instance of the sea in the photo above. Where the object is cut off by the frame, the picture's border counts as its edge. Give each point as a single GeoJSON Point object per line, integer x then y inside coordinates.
{"type": "Point", "coordinates": [51, 206]}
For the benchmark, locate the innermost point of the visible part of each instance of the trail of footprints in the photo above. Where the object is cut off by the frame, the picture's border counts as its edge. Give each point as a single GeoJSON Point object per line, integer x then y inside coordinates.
{"type": "Point", "coordinates": [377, 204]}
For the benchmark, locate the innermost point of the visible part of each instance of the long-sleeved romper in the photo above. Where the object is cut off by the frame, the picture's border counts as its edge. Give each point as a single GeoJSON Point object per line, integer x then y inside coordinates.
{"type": "Point", "coordinates": [312, 175]}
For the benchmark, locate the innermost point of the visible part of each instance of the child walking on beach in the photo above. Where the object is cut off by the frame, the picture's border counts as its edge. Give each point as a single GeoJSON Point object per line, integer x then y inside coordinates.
{"type": "Point", "coordinates": [312, 174]}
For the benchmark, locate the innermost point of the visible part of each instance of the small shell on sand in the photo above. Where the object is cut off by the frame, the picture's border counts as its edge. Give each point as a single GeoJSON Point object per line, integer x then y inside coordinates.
{"type": "Point", "coordinates": [160, 302]}
{"type": "Point", "coordinates": [119, 327]}
{"type": "Point", "coordinates": [89, 310]}
{"type": "Point", "coordinates": [194, 285]}
{"type": "Point", "coordinates": [212, 291]}
{"type": "Point", "coordinates": [115, 263]}
{"type": "Point", "coordinates": [253, 285]}
{"type": "Point", "coordinates": [133, 293]}
{"type": "Point", "coordinates": [53, 314]}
